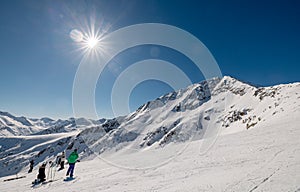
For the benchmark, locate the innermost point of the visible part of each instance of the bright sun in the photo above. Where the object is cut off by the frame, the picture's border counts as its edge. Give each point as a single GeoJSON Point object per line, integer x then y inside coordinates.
{"type": "Point", "coordinates": [89, 41]}
{"type": "Point", "coordinates": [92, 42]}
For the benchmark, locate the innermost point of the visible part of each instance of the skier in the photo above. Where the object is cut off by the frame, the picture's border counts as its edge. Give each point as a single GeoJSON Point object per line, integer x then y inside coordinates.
{"type": "Point", "coordinates": [62, 161]}
{"type": "Point", "coordinates": [72, 159]}
{"type": "Point", "coordinates": [41, 177]}
{"type": "Point", "coordinates": [31, 165]}
{"type": "Point", "coordinates": [58, 160]}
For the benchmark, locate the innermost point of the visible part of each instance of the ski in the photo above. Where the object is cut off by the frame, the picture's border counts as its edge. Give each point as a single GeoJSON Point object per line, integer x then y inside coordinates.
{"type": "Point", "coordinates": [10, 179]}
{"type": "Point", "coordinates": [36, 184]}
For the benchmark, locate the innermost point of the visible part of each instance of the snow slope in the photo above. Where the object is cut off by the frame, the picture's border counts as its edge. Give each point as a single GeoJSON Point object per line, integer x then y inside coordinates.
{"type": "Point", "coordinates": [266, 158]}
{"type": "Point", "coordinates": [159, 147]}
{"type": "Point", "coordinates": [217, 106]}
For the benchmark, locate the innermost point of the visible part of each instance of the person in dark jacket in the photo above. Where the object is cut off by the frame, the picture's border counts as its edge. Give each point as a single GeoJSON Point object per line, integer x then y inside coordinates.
{"type": "Point", "coordinates": [62, 161]}
{"type": "Point", "coordinates": [72, 159]}
{"type": "Point", "coordinates": [42, 176]}
{"type": "Point", "coordinates": [31, 165]}
{"type": "Point", "coordinates": [58, 160]}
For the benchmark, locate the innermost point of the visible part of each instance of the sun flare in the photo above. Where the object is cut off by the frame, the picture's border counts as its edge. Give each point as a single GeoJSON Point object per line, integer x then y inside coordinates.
{"type": "Point", "coordinates": [89, 37]}
{"type": "Point", "coordinates": [88, 42]}
{"type": "Point", "coordinates": [92, 42]}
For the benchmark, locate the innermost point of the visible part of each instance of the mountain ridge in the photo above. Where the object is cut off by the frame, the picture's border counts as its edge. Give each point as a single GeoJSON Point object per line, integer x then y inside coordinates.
{"type": "Point", "coordinates": [36, 125]}
{"type": "Point", "coordinates": [223, 105]}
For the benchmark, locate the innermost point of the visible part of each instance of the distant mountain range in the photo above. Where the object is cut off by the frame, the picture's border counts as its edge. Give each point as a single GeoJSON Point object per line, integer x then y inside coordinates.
{"type": "Point", "coordinates": [11, 125]}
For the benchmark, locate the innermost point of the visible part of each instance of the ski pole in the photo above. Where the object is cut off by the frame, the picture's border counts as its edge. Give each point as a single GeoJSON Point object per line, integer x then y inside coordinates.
{"type": "Point", "coordinates": [48, 172]}
{"type": "Point", "coordinates": [54, 171]}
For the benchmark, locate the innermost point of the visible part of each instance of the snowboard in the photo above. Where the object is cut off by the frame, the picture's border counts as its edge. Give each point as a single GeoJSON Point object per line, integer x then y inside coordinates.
{"type": "Point", "coordinates": [69, 178]}
{"type": "Point", "coordinates": [36, 183]}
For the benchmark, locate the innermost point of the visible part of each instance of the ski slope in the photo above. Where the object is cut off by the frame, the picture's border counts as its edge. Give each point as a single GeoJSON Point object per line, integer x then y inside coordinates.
{"type": "Point", "coordinates": [250, 137]}
{"type": "Point", "coordinates": [266, 158]}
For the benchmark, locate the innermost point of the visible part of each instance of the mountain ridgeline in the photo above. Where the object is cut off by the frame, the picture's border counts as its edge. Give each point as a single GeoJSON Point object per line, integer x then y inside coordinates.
{"type": "Point", "coordinates": [224, 104]}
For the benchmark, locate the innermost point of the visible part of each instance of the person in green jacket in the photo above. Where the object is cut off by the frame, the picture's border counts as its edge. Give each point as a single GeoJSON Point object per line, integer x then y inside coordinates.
{"type": "Point", "coordinates": [72, 159]}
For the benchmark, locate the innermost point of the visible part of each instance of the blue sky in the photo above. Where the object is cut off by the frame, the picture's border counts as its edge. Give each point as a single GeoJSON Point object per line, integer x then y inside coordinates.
{"type": "Point", "coordinates": [254, 41]}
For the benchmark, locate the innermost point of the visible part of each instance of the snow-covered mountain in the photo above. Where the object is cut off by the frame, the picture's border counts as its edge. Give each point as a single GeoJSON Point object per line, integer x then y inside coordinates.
{"type": "Point", "coordinates": [224, 105]}
{"type": "Point", "coordinates": [11, 125]}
